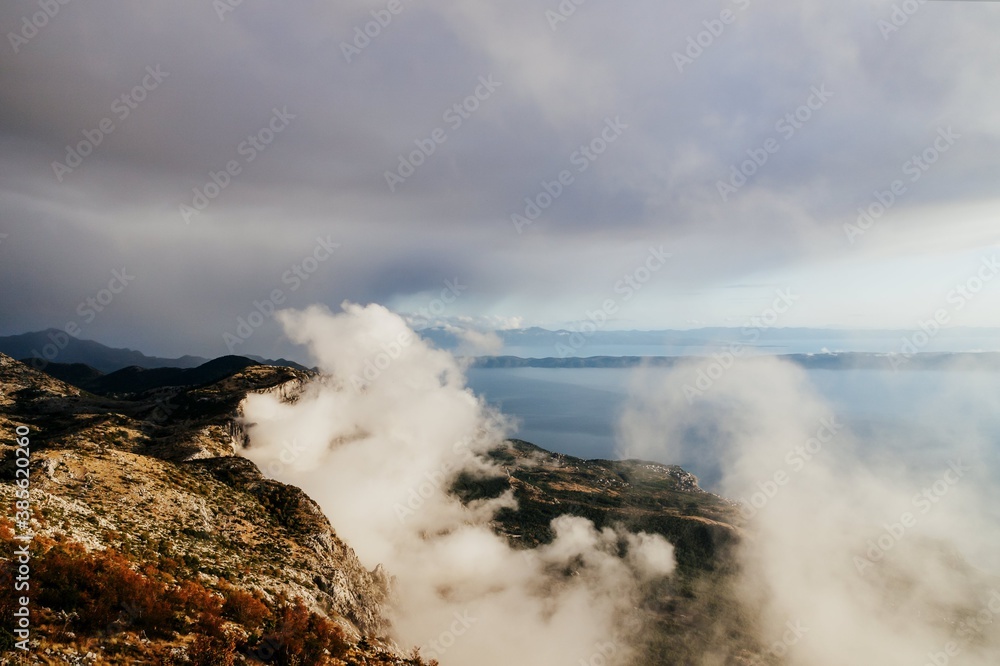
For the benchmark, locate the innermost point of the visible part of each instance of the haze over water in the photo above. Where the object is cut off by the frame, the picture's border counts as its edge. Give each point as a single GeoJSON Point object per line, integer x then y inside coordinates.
{"type": "Point", "coordinates": [576, 411]}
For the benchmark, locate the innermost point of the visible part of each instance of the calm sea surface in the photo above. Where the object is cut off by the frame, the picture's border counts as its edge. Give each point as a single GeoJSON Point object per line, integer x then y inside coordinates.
{"type": "Point", "coordinates": [575, 411]}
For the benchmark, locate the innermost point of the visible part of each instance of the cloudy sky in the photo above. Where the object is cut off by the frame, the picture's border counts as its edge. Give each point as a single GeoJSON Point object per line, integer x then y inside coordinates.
{"type": "Point", "coordinates": [395, 152]}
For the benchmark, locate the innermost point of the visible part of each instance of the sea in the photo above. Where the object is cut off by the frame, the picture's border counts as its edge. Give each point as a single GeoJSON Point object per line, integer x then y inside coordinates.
{"type": "Point", "coordinates": [918, 417]}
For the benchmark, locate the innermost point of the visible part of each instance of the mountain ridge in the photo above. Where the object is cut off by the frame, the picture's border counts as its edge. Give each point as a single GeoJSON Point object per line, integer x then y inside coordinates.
{"type": "Point", "coordinates": [158, 481]}
{"type": "Point", "coordinates": [41, 348]}
{"type": "Point", "coordinates": [136, 379]}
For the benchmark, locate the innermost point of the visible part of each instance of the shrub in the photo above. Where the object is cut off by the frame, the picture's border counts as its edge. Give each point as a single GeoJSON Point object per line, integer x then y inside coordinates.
{"type": "Point", "coordinates": [202, 605]}
{"type": "Point", "coordinates": [303, 637]}
{"type": "Point", "coordinates": [99, 587]}
{"type": "Point", "coordinates": [244, 608]}
{"type": "Point", "coordinates": [213, 650]}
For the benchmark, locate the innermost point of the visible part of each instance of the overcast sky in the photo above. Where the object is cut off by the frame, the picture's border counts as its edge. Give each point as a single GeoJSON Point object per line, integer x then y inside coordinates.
{"type": "Point", "coordinates": [669, 99]}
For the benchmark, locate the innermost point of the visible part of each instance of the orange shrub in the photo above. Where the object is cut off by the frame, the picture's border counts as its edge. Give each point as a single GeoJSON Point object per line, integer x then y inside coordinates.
{"type": "Point", "coordinates": [301, 637]}
{"type": "Point", "coordinates": [202, 605]}
{"type": "Point", "coordinates": [101, 588]}
{"type": "Point", "coordinates": [244, 608]}
{"type": "Point", "coordinates": [213, 651]}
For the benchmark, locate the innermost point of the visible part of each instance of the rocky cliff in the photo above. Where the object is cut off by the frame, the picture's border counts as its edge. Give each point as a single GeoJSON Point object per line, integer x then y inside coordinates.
{"type": "Point", "coordinates": [156, 479]}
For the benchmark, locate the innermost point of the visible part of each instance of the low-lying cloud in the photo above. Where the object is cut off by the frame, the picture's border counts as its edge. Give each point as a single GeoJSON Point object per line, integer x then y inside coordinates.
{"type": "Point", "coordinates": [380, 456]}
{"type": "Point", "coordinates": [851, 554]}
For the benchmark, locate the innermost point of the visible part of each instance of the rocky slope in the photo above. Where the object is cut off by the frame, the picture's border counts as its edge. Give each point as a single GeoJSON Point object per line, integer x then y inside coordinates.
{"type": "Point", "coordinates": [695, 616]}
{"type": "Point", "coordinates": [156, 479]}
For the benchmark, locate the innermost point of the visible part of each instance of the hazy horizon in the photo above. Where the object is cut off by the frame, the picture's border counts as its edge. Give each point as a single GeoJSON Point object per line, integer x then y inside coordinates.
{"type": "Point", "coordinates": [537, 342]}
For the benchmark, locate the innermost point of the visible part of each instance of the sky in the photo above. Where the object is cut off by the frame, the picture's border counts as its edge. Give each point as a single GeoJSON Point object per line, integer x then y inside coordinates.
{"type": "Point", "coordinates": [169, 169]}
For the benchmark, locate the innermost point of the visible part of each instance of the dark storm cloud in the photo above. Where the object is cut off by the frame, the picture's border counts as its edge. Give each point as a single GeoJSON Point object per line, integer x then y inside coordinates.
{"type": "Point", "coordinates": [345, 124]}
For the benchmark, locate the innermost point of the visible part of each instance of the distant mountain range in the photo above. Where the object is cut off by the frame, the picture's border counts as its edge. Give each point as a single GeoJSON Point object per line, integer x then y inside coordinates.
{"type": "Point", "coordinates": [760, 336]}
{"type": "Point", "coordinates": [52, 346]}
{"type": "Point", "coordinates": [105, 370]}
{"type": "Point", "coordinates": [828, 361]}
